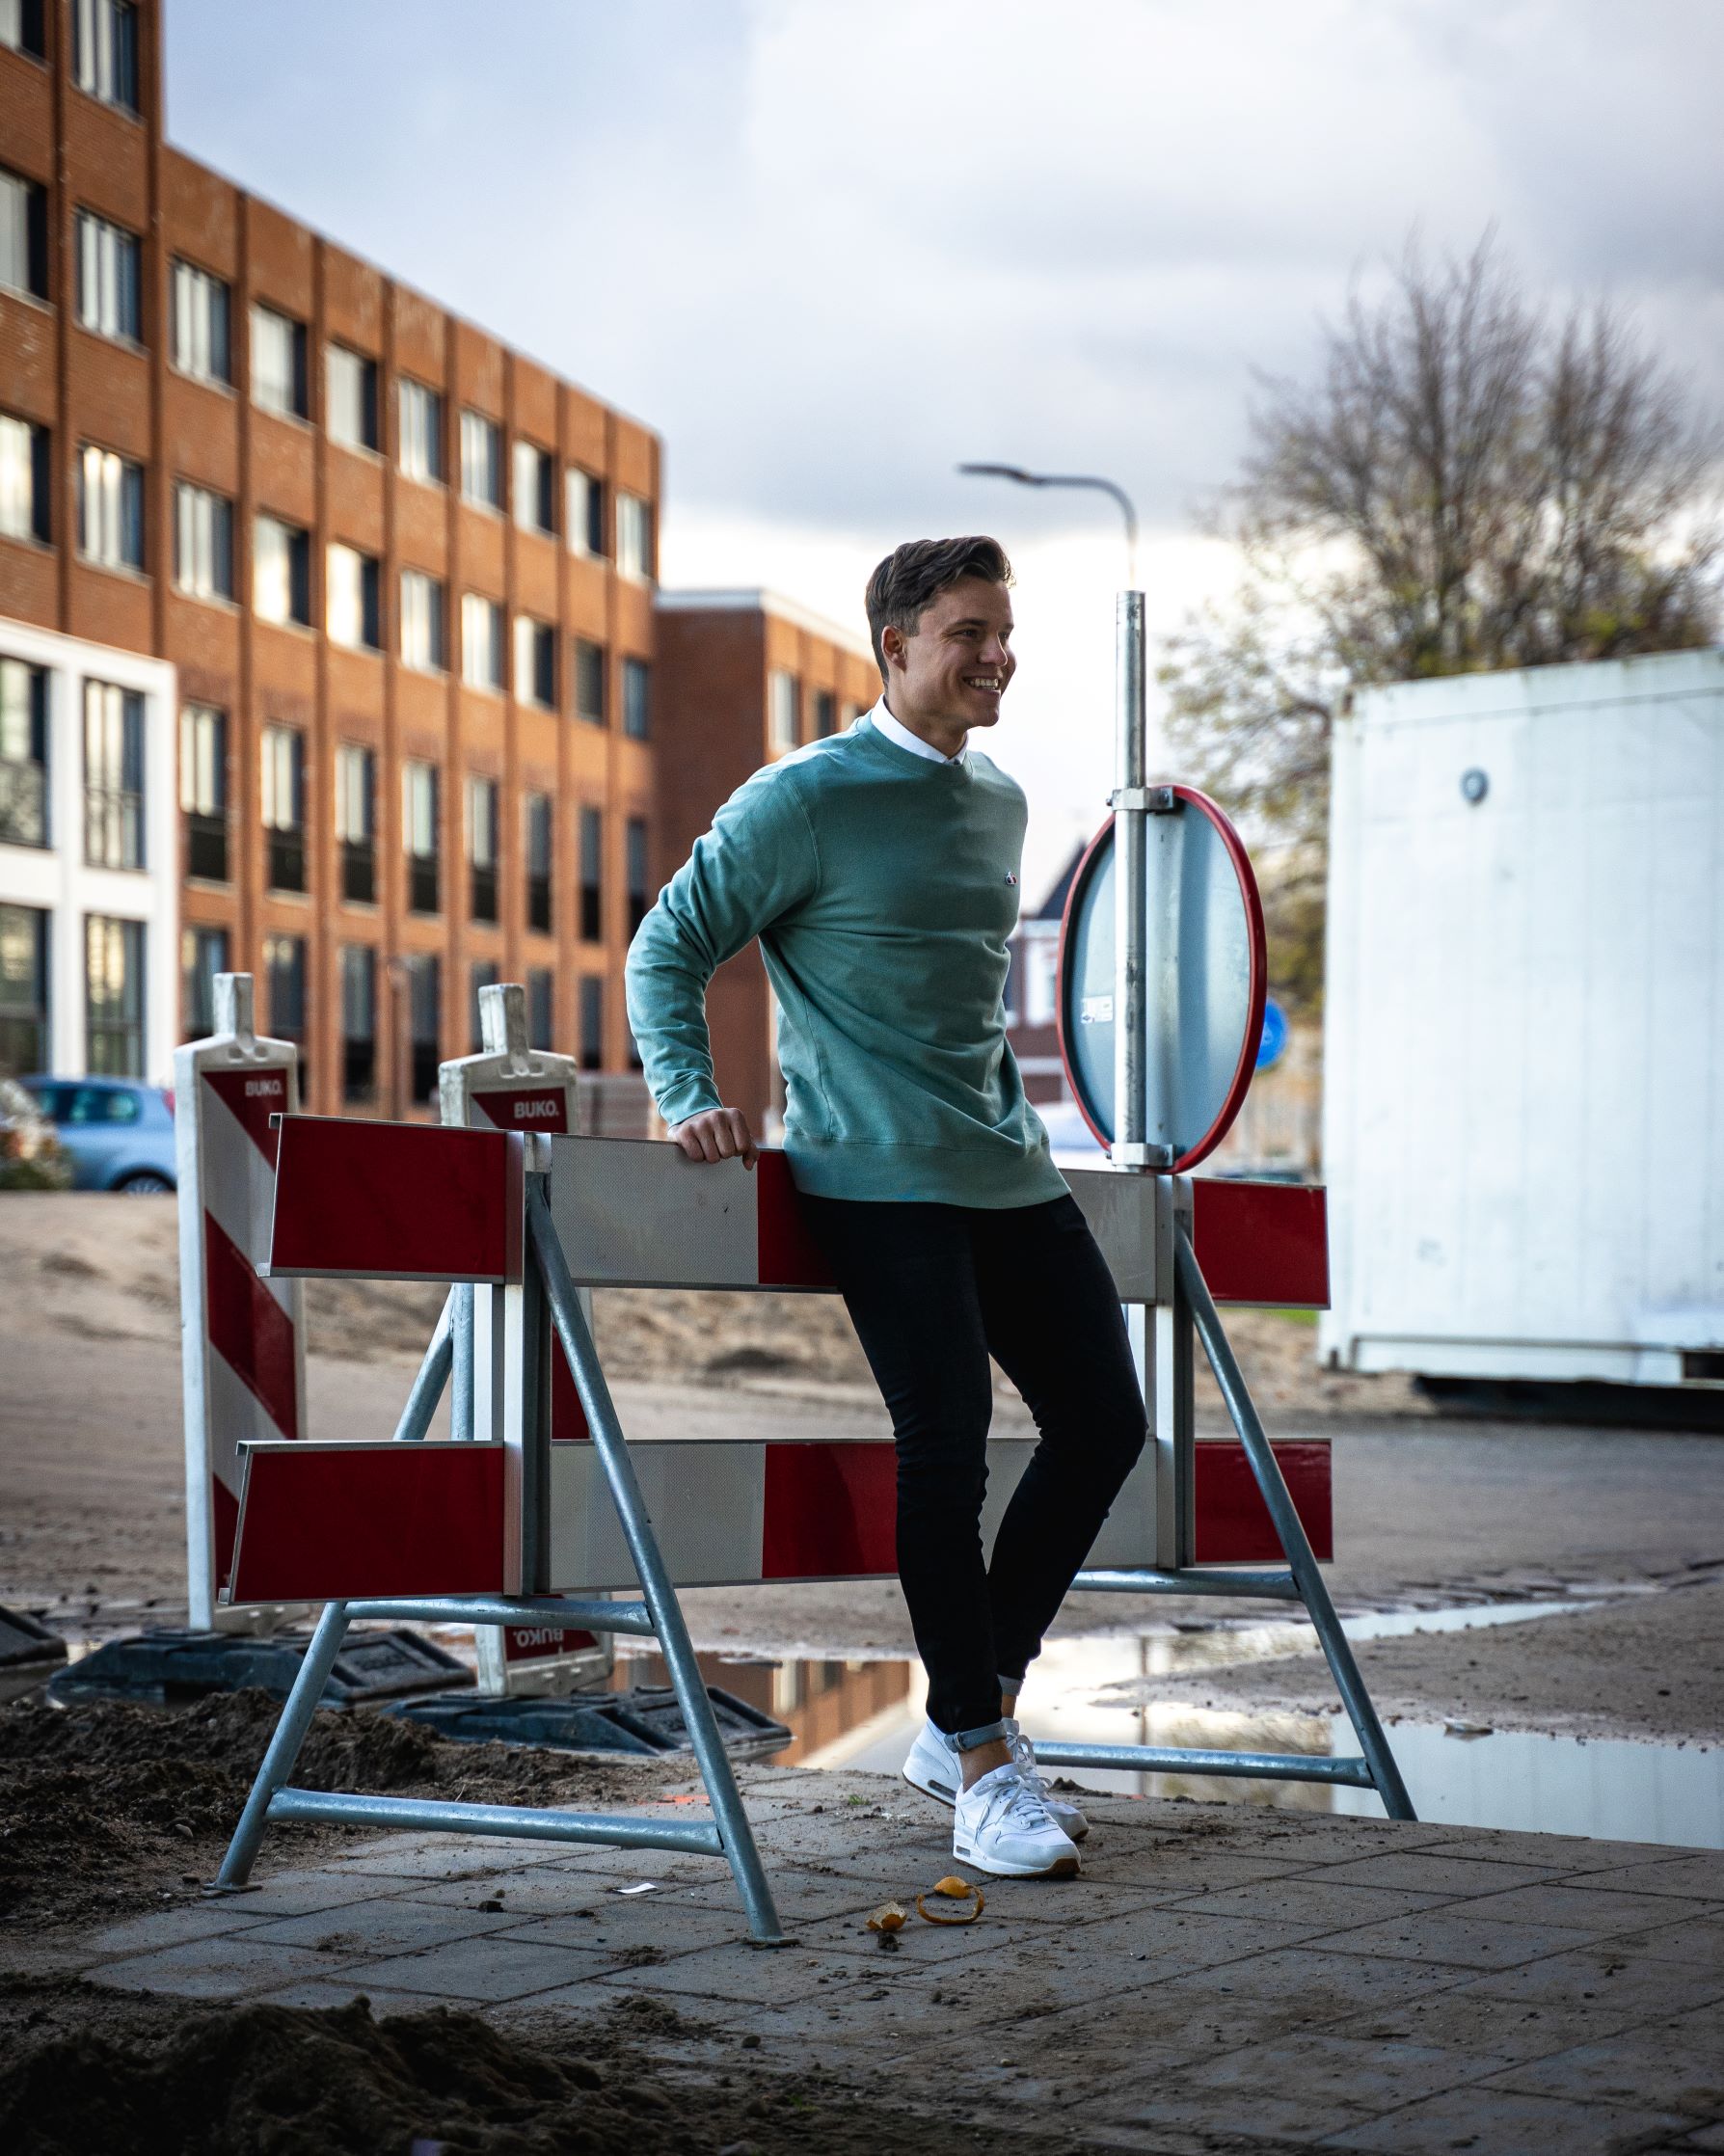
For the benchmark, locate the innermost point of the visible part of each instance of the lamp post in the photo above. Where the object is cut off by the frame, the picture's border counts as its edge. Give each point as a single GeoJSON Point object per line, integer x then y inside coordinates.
{"type": "Point", "coordinates": [1023, 478]}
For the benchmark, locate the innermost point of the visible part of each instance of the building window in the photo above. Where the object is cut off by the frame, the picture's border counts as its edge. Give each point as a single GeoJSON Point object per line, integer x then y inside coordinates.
{"type": "Point", "coordinates": [113, 777]}
{"type": "Point", "coordinates": [635, 858]}
{"type": "Point", "coordinates": [634, 536]}
{"type": "Point", "coordinates": [359, 1022]}
{"type": "Point", "coordinates": [541, 1006]}
{"type": "Point", "coordinates": [25, 487]}
{"type": "Point", "coordinates": [636, 683]}
{"type": "Point", "coordinates": [535, 663]}
{"type": "Point", "coordinates": [481, 974]}
{"type": "Point", "coordinates": [781, 712]}
{"type": "Point", "coordinates": [425, 624]}
{"type": "Point", "coordinates": [23, 990]}
{"type": "Point", "coordinates": [203, 792]}
{"type": "Point", "coordinates": [202, 543]}
{"type": "Point", "coordinates": [109, 289]}
{"type": "Point", "coordinates": [110, 509]}
{"type": "Point", "coordinates": [421, 432]}
{"type": "Point", "coordinates": [281, 572]}
{"type": "Point", "coordinates": [284, 981]}
{"type": "Point", "coordinates": [419, 835]}
{"type": "Point", "coordinates": [350, 598]}
{"type": "Point", "coordinates": [278, 363]}
{"type": "Point", "coordinates": [592, 1022]}
{"type": "Point", "coordinates": [535, 488]}
{"type": "Point", "coordinates": [425, 1021]}
{"type": "Point", "coordinates": [283, 770]}
{"type": "Point", "coordinates": [356, 822]}
{"type": "Point", "coordinates": [537, 827]}
{"type": "Point", "coordinates": [592, 876]}
{"type": "Point", "coordinates": [20, 28]}
{"type": "Point", "coordinates": [481, 460]}
{"type": "Point", "coordinates": [481, 848]}
{"type": "Point", "coordinates": [23, 234]}
{"type": "Point", "coordinates": [23, 754]}
{"type": "Point", "coordinates": [825, 714]}
{"type": "Point", "coordinates": [350, 398]}
{"type": "Point", "coordinates": [481, 641]}
{"type": "Point", "coordinates": [203, 955]}
{"type": "Point", "coordinates": [584, 511]}
{"type": "Point", "coordinates": [105, 50]}
{"type": "Point", "coordinates": [202, 339]}
{"type": "Point", "coordinates": [589, 682]}
{"type": "Point", "coordinates": [113, 997]}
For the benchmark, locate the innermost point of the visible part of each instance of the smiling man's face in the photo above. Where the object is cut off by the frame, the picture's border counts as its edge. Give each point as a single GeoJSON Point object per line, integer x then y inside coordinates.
{"type": "Point", "coordinates": [950, 673]}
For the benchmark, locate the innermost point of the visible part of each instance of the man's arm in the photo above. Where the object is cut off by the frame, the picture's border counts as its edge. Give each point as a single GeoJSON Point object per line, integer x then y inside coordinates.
{"type": "Point", "coordinates": [754, 865]}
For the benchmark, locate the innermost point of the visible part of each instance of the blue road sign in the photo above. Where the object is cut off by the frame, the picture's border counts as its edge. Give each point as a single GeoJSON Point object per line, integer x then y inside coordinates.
{"type": "Point", "coordinates": [1274, 1043]}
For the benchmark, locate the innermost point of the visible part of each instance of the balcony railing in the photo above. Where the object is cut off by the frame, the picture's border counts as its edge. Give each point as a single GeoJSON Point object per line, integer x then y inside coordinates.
{"type": "Point", "coordinates": [23, 805]}
{"type": "Point", "coordinates": [113, 832]}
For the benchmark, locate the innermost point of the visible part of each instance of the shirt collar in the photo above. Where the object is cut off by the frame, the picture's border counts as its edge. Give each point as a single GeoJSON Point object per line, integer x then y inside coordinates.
{"type": "Point", "coordinates": [883, 722]}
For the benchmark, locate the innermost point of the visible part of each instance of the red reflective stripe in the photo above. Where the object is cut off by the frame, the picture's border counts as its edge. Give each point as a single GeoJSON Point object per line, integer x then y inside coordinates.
{"type": "Point", "coordinates": [325, 1521]}
{"type": "Point", "coordinates": [396, 1200]}
{"type": "Point", "coordinates": [788, 1255]}
{"type": "Point", "coordinates": [568, 1418]}
{"type": "Point", "coordinates": [223, 1525]}
{"type": "Point", "coordinates": [830, 1512]}
{"type": "Point", "coordinates": [252, 1097]}
{"type": "Point", "coordinates": [1262, 1242]}
{"type": "Point", "coordinates": [1232, 1522]}
{"type": "Point", "coordinates": [249, 1329]}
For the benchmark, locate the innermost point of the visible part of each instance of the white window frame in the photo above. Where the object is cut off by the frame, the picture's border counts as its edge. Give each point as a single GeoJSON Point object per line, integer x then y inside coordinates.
{"type": "Point", "coordinates": [110, 289]}
{"type": "Point", "coordinates": [272, 560]}
{"type": "Point", "coordinates": [198, 298]}
{"type": "Point", "coordinates": [424, 624]}
{"type": "Point", "coordinates": [481, 460]}
{"type": "Point", "coordinates": [105, 478]}
{"type": "Point", "coordinates": [18, 505]}
{"type": "Point", "coordinates": [347, 375]}
{"type": "Point", "coordinates": [346, 571]}
{"type": "Point", "coordinates": [419, 409]}
{"type": "Point", "coordinates": [634, 537]}
{"type": "Point", "coordinates": [481, 641]}
{"type": "Point", "coordinates": [202, 543]}
{"type": "Point", "coordinates": [782, 703]}
{"type": "Point", "coordinates": [278, 339]}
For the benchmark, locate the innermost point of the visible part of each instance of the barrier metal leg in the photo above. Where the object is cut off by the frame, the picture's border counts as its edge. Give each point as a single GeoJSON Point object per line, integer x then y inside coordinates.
{"type": "Point", "coordinates": [607, 1434]}
{"type": "Point", "coordinates": [461, 1381]}
{"type": "Point", "coordinates": [432, 1376]}
{"type": "Point", "coordinates": [284, 1745]}
{"type": "Point", "coordinates": [1306, 1575]}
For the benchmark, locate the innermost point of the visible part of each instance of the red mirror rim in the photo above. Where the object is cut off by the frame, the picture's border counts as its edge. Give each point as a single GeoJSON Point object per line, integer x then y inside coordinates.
{"type": "Point", "coordinates": [1260, 978]}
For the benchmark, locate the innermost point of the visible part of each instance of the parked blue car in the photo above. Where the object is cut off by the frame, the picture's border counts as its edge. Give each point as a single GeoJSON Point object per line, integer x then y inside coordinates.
{"type": "Point", "coordinates": [118, 1133]}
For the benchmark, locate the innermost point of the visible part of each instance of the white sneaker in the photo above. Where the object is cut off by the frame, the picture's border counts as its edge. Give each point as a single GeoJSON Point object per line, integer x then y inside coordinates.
{"type": "Point", "coordinates": [933, 1769]}
{"type": "Point", "coordinates": [1001, 1825]}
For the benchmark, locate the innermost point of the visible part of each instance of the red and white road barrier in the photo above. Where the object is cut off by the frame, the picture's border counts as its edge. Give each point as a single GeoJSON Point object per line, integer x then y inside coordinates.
{"type": "Point", "coordinates": [371, 1519]}
{"type": "Point", "coordinates": [510, 1086]}
{"type": "Point", "coordinates": [242, 1336]}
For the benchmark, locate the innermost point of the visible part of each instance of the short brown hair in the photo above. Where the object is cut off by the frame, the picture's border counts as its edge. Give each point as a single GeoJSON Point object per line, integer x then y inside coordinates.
{"type": "Point", "coordinates": [919, 571]}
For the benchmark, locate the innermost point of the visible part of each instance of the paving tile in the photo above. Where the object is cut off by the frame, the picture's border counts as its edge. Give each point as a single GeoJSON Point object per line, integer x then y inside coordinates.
{"type": "Point", "coordinates": [471, 1971]}
{"type": "Point", "coordinates": [1323, 2067]}
{"type": "Point", "coordinates": [1466, 2018]}
{"type": "Point", "coordinates": [546, 1891]}
{"type": "Point", "coordinates": [470, 1856]}
{"type": "Point", "coordinates": [1497, 2122]}
{"type": "Point", "coordinates": [379, 1927]}
{"type": "Point", "coordinates": [802, 1896]}
{"type": "Point", "coordinates": [1708, 2137]}
{"type": "Point", "coordinates": [1454, 1937]}
{"type": "Point", "coordinates": [1676, 2066]}
{"type": "Point", "coordinates": [1330, 1838]}
{"type": "Point", "coordinates": [212, 1968]}
{"type": "Point", "coordinates": [1697, 1941]}
{"type": "Point", "coordinates": [292, 1894]}
{"type": "Point", "coordinates": [1318, 1985]}
{"type": "Point", "coordinates": [1637, 1988]}
{"type": "Point", "coordinates": [629, 1926]}
{"type": "Point", "coordinates": [335, 1991]}
{"type": "Point", "coordinates": [1253, 2114]}
{"type": "Point", "coordinates": [1585, 1906]}
{"type": "Point", "coordinates": [1310, 1903]}
{"type": "Point", "coordinates": [1701, 1875]}
{"type": "Point", "coordinates": [1441, 1871]}
{"type": "Point", "coordinates": [771, 1976]}
{"type": "Point", "coordinates": [168, 1927]}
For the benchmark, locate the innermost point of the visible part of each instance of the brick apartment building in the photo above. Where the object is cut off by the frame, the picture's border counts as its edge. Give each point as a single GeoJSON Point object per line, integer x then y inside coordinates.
{"type": "Point", "coordinates": [744, 677]}
{"type": "Point", "coordinates": [404, 576]}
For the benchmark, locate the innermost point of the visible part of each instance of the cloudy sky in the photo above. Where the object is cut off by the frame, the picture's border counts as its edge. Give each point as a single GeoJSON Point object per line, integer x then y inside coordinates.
{"type": "Point", "coordinates": [830, 249]}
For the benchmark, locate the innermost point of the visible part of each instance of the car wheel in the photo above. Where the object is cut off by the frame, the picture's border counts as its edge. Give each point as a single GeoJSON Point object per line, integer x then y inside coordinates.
{"type": "Point", "coordinates": [146, 1183]}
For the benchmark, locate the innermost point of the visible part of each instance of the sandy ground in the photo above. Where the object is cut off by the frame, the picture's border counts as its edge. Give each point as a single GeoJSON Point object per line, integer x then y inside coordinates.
{"type": "Point", "coordinates": [1427, 1510]}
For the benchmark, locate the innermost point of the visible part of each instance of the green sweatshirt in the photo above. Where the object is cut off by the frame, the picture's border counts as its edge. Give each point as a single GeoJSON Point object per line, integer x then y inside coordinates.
{"type": "Point", "coordinates": [882, 887]}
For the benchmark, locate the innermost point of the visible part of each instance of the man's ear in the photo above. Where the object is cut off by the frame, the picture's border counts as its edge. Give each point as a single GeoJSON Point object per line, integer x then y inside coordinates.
{"type": "Point", "coordinates": [892, 645]}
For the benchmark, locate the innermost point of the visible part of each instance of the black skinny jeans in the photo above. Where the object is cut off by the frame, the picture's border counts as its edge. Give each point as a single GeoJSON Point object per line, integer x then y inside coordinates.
{"type": "Point", "coordinates": [932, 1291]}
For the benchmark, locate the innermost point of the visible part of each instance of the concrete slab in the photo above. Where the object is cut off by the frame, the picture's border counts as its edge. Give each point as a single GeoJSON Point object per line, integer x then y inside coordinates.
{"type": "Point", "coordinates": [228, 1967]}
{"type": "Point", "coordinates": [1587, 1907]}
{"type": "Point", "coordinates": [482, 1970]}
{"type": "Point", "coordinates": [1678, 2064]}
{"type": "Point", "coordinates": [1312, 1904]}
{"type": "Point", "coordinates": [1449, 1935]}
{"type": "Point", "coordinates": [1500, 2120]}
{"type": "Point", "coordinates": [365, 1929]}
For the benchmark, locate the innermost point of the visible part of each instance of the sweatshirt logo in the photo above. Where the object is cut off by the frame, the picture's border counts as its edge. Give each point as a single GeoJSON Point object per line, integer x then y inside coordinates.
{"type": "Point", "coordinates": [1012, 877]}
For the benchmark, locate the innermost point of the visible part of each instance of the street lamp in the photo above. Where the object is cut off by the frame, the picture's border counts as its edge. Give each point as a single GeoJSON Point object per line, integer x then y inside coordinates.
{"type": "Point", "coordinates": [1025, 478]}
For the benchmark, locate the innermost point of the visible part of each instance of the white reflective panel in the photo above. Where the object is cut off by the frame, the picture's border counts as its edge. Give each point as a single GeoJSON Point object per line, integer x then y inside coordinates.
{"type": "Point", "coordinates": [1198, 966]}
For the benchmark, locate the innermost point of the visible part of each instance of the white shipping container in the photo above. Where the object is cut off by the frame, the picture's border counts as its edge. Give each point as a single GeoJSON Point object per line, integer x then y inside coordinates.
{"type": "Point", "coordinates": [1523, 1032]}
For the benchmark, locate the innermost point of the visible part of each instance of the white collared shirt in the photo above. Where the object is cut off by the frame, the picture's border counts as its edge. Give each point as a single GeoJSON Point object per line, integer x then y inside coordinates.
{"type": "Point", "coordinates": [882, 720]}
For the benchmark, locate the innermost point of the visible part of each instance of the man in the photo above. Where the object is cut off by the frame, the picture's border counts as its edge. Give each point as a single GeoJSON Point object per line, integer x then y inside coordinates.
{"type": "Point", "coordinates": [879, 868]}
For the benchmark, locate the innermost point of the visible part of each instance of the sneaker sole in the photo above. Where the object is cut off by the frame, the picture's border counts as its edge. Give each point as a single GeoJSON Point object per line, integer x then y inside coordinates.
{"type": "Point", "coordinates": [1062, 1868]}
{"type": "Point", "coordinates": [941, 1794]}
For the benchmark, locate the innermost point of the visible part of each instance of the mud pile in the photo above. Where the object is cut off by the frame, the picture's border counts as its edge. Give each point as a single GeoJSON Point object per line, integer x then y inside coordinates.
{"type": "Point", "coordinates": [108, 1803]}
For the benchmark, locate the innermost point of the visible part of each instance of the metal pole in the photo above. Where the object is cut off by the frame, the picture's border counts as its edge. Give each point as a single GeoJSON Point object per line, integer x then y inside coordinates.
{"type": "Point", "coordinates": [460, 1307]}
{"type": "Point", "coordinates": [1130, 918]}
{"type": "Point", "coordinates": [285, 1744]}
{"type": "Point", "coordinates": [1313, 1587]}
{"type": "Point", "coordinates": [433, 1375]}
{"type": "Point", "coordinates": [678, 1650]}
